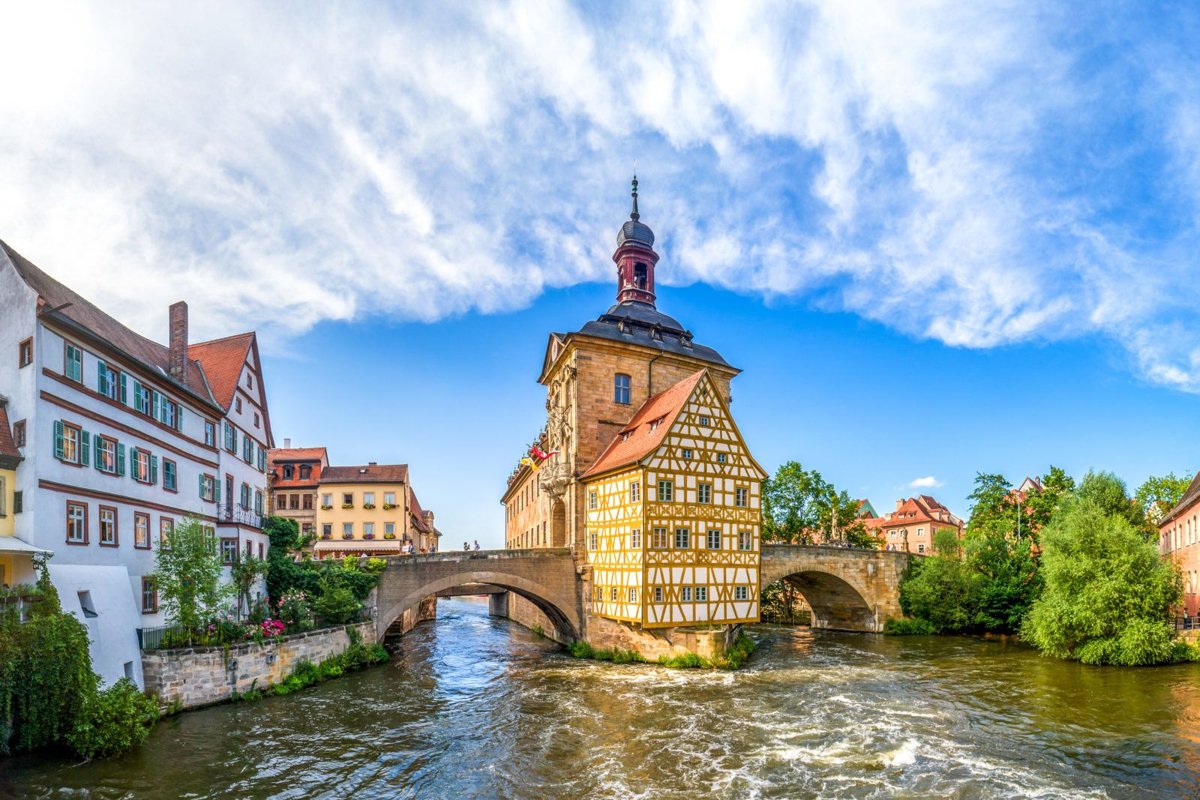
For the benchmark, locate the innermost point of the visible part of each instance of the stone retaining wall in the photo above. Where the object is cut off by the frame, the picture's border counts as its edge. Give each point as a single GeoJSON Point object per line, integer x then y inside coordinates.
{"type": "Point", "coordinates": [201, 676]}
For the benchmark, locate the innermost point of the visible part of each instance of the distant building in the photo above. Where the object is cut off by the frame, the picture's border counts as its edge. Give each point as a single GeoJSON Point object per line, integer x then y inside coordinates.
{"type": "Point", "coordinates": [109, 440]}
{"type": "Point", "coordinates": [294, 473]}
{"type": "Point", "coordinates": [1179, 541]}
{"type": "Point", "coordinates": [371, 510]}
{"type": "Point", "coordinates": [912, 525]}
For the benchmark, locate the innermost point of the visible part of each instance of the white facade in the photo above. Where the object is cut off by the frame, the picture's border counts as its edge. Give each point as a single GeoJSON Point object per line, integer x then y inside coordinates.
{"type": "Point", "coordinates": [106, 475]}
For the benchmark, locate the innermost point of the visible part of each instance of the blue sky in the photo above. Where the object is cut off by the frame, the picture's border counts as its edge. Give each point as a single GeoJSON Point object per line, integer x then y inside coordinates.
{"type": "Point", "coordinates": [963, 235]}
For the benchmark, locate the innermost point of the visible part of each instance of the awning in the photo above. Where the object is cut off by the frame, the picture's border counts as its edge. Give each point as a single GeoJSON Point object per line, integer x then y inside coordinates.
{"type": "Point", "coordinates": [11, 544]}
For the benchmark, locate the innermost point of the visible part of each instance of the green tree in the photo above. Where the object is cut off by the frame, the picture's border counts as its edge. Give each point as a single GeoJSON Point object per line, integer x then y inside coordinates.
{"type": "Point", "coordinates": [188, 576]}
{"type": "Point", "coordinates": [793, 500]}
{"type": "Point", "coordinates": [1109, 493]}
{"type": "Point", "coordinates": [288, 566]}
{"type": "Point", "coordinates": [1107, 593]}
{"type": "Point", "coordinates": [1160, 493]}
{"type": "Point", "coordinates": [946, 543]}
{"type": "Point", "coordinates": [1057, 487]}
{"type": "Point", "coordinates": [246, 571]}
{"type": "Point", "coordinates": [990, 499]}
{"type": "Point", "coordinates": [1005, 575]}
{"type": "Point", "coordinates": [939, 591]}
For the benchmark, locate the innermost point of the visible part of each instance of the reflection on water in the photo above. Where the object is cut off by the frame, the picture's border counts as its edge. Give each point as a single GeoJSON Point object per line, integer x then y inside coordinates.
{"type": "Point", "coordinates": [479, 708]}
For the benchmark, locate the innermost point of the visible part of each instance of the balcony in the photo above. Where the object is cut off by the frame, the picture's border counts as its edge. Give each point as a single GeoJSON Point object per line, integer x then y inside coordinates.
{"type": "Point", "coordinates": [240, 515]}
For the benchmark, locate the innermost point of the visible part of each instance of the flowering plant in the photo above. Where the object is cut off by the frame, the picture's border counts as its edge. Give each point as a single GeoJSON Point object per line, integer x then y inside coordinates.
{"type": "Point", "coordinates": [368, 505]}
{"type": "Point", "coordinates": [272, 628]}
{"type": "Point", "coordinates": [347, 535]}
{"type": "Point", "coordinates": [294, 610]}
{"type": "Point", "coordinates": [389, 536]}
{"type": "Point", "coordinates": [368, 536]}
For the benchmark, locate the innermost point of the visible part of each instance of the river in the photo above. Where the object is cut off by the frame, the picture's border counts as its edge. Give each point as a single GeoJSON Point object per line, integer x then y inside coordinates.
{"type": "Point", "coordinates": [479, 708]}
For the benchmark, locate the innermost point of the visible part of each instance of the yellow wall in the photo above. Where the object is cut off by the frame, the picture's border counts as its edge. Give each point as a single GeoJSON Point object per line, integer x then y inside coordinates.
{"type": "Point", "coordinates": [337, 516]}
{"type": "Point", "coordinates": [16, 568]}
{"type": "Point", "coordinates": [7, 523]}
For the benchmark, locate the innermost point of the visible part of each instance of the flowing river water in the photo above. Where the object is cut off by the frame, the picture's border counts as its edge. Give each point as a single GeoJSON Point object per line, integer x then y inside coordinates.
{"type": "Point", "coordinates": [475, 707]}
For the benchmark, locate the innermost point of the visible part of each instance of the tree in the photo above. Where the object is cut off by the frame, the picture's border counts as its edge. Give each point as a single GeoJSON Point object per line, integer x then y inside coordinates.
{"type": "Point", "coordinates": [1057, 487]}
{"type": "Point", "coordinates": [939, 591]}
{"type": "Point", "coordinates": [1108, 492]}
{"type": "Point", "coordinates": [245, 573]}
{"type": "Point", "coordinates": [990, 499]}
{"type": "Point", "coordinates": [188, 576]}
{"type": "Point", "coordinates": [1159, 494]}
{"type": "Point", "coordinates": [1005, 574]}
{"type": "Point", "coordinates": [792, 504]}
{"type": "Point", "coordinates": [1107, 593]}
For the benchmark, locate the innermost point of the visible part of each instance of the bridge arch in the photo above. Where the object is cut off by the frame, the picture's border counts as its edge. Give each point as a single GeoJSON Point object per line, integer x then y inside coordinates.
{"type": "Point", "coordinates": [848, 589]}
{"type": "Point", "coordinates": [546, 578]}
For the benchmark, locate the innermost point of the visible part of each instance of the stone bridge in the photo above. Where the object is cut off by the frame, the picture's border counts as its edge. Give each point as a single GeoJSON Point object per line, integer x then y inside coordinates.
{"type": "Point", "coordinates": [848, 589]}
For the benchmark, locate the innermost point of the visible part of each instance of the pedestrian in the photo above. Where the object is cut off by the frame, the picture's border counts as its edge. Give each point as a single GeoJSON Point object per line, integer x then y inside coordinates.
{"type": "Point", "coordinates": [476, 544]}
{"type": "Point", "coordinates": [467, 546]}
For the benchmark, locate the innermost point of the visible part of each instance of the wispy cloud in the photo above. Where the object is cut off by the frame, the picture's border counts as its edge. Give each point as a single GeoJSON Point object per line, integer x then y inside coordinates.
{"type": "Point", "coordinates": [928, 482]}
{"type": "Point", "coordinates": [971, 174]}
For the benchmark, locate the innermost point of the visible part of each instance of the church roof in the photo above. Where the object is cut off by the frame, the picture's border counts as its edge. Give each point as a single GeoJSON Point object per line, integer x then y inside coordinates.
{"type": "Point", "coordinates": [646, 431]}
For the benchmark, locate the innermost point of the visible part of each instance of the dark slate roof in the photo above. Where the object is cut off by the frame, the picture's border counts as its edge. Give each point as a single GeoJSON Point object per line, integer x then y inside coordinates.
{"type": "Point", "coordinates": [635, 231]}
{"type": "Point", "coordinates": [643, 324]}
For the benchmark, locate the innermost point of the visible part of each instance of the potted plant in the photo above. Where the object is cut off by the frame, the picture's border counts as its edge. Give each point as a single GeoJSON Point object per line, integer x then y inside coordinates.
{"type": "Point", "coordinates": [347, 535]}
{"type": "Point", "coordinates": [326, 508]}
{"type": "Point", "coordinates": [388, 506]}
{"type": "Point", "coordinates": [389, 536]}
{"type": "Point", "coordinates": [368, 505]}
{"type": "Point", "coordinates": [347, 505]}
{"type": "Point", "coordinates": [327, 535]}
{"type": "Point", "coordinates": [368, 536]}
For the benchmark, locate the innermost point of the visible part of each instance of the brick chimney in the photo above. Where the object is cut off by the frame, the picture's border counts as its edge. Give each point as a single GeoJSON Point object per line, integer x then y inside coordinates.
{"type": "Point", "coordinates": [179, 340]}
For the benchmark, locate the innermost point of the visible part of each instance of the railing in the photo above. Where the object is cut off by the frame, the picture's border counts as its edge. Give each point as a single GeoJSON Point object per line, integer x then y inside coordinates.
{"type": "Point", "coordinates": [23, 602]}
{"type": "Point", "coordinates": [1187, 623]}
{"type": "Point", "coordinates": [239, 514]}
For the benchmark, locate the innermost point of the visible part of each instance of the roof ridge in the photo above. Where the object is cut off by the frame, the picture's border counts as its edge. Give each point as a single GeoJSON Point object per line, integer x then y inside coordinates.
{"type": "Point", "coordinates": [248, 334]}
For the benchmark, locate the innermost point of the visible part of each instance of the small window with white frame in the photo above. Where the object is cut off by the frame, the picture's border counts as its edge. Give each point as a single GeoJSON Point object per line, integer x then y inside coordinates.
{"type": "Point", "coordinates": [613, 594]}
{"type": "Point", "coordinates": [685, 594]}
{"type": "Point", "coordinates": [660, 540]}
{"type": "Point", "coordinates": [658, 594]}
{"type": "Point", "coordinates": [741, 593]}
{"type": "Point", "coordinates": [593, 541]}
{"type": "Point", "coordinates": [714, 539]}
{"type": "Point", "coordinates": [632, 594]}
{"type": "Point", "coordinates": [682, 538]}
{"type": "Point", "coordinates": [745, 540]}
{"type": "Point", "coordinates": [721, 458]}
{"type": "Point", "coordinates": [635, 491]}
{"type": "Point", "coordinates": [666, 491]}
{"type": "Point", "coordinates": [704, 493]}
{"type": "Point", "coordinates": [741, 497]}
{"type": "Point", "coordinates": [593, 500]}
{"type": "Point", "coordinates": [701, 594]}
{"type": "Point", "coordinates": [635, 539]}
{"type": "Point", "coordinates": [687, 453]}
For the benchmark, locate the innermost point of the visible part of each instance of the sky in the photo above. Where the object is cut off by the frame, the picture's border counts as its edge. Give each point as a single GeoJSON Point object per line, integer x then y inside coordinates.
{"type": "Point", "coordinates": [938, 237]}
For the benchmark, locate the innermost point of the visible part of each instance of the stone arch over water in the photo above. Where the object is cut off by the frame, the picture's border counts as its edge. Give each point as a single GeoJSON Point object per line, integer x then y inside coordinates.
{"type": "Point", "coordinates": [848, 589]}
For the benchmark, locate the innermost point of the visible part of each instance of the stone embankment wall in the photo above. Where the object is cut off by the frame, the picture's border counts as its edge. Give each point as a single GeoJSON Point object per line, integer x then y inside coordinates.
{"type": "Point", "coordinates": [201, 676]}
{"type": "Point", "coordinates": [516, 608]}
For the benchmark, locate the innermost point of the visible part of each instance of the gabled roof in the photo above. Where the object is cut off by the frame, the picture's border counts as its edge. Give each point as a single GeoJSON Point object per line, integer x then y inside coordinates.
{"type": "Point", "coordinates": [10, 456]}
{"type": "Point", "coordinates": [642, 436]}
{"type": "Point", "coordinates": [1189, 497]}
{"type": "Point", "coordinates": [367, 473]}
{"type": "Point", "coordinates": [75, 312]}
{"type": "Point", "coordinates": [921, 508]}
{"type": "Point", "coordinates": [417, 513]}
{"type": "Point", "coordinates": [279, 454]}
{"type": "Point", "coordinates": [222, 360]}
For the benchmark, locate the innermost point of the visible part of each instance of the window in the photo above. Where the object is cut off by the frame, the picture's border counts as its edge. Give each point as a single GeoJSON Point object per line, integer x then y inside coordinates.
{"type": "Point", "coordinates": [327, 501]}
{"type": "Point", "coordinates": [108, 381]}
{"type": "Point", "coordinates": [237, 404]}
{"type": "Point", "coordinates": [149, 596]}
{"type": "Point", "coordinates": [141, 531]}
{"type": "Point", "coordinates": [635, 491]}
{"type": "Point", "coordinates": [920, 531]}
{"type": "Point", "coordinates": [108, 526]}
{"type": "Point", "coordinates": [368, 530]}
{"type": "Point", "coordinates": [744, 541]}
{"type": "Point", "coordinates": [701, 594]}
{"type": "Point", "coordinates": [288, 472]}
{"type": "Point", "coordinates": [249, 380]}
{"type": "Point", "coordinates": [621, 389]}
{"type": "Point", "coordinates": [76, 523]}
{"type": "Point", "coordinates": [704, 493]}
{"type": "Point", "coordinates": [720, 458]}
{"type": "Point", "coordinates": [741, 593]}
{"type": "Point", "coordinates": [347, 529]}
{"type": "Point", "coordinates": [86, 605]}
{"type": "Point", "coordinates": [389, 499]}
{"type": "Point", "coordinates": [921, 548]}
{"type": "Point", "coordinates": [741, 497]}
{"type": "Point", "coordinates": [19, 433]}
{"type": "Point", "coordinates": [687, 453]}
{"type": "Point", "coordinates": [658, 594]}
{"type": "Point", "coordinates": [257, 420]}
{"type": "Point", "coordinates": [635, 539]}
{"type": "Point", "coordinates": [168, 411]}
{"type": "Point", "coordinates": [389, 529]}
{"type": "Point", "coordinates": [230, 438]}
{"type": "Point", "coordinates": [170, 475]}
{"type": "Point", "coordinates": [141, 398]}
{"type": "Point", "coordinates": [660, 539]}
{"type": "Point", "coordinates": [368, 499]}
{"type": "Point", "coordinates": [262, 460]}
{"type": "Point", "coordinates": [682, 538]}
{"type": "Point", "coordinates": [307, 504]}
{"type": "Point", "coordinates": [247, 449]}
{"type": "Point", "coordinates": [166, 527]}
{"type": "Point", "coordinates": [228, 551]}
{"type": "Point", "coordinates": [73, 363]}
{"type": "Point", "coordinates": [592, 501]}
{"type": "Point", "coordinates": [210, 433]}
{"type": "Point", "coordinates": [18, 502]}
{"type": "Point", "coordinates": [714, 539]}
{"type": "Point", "coordinates": [613, 594]}
{"type": "Point", "coordinates": [704, 420]}
{"type": "Point", "coordinates": [145, 466]}
{"type": "Point", "coordinates": [106, 455]}
{"type": "Point", "coordinates": [25, 353]}
{"type": "Point", "coordinates": [70, 443]}
{"type": "Point", "coordinates": [305, 472]}
{"type": "Point", "coordinates": [326, 530]}
{"type": "Point", "coordinates": [632, 595]}
{"type": "Point", "coordinates": [593, 541]}
{"type": "Point", "coordinates": [666, 491]}
{"type": "Point", "coordinates": [244, 499]}
{"type": "Point", "coordinates": [685, 594]}
{"type": "Point", "coordinates": [209, 489]}
{"type": "Point", "coordinates": [258, 501]}
{"type": "Point", "coordinates": [347, 499]}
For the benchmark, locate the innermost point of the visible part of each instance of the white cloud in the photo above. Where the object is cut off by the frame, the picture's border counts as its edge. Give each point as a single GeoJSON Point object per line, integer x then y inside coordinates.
{"type": "Point", "coordinates": [928, 482]}
{"type": "Point", "coordinates": [959, 172]}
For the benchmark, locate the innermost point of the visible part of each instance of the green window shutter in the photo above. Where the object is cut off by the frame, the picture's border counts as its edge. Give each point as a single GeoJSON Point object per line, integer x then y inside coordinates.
{"type": "Point", "coordinates": [124, 392]}
{"type": "Point", "coordinates": [156, 399]}
{"type": "Point", "coordinates": [154, 469]}
{"type": "Point", "coordinates": [85, 454]}
{"type": "Point", "coordinates": [202, 486]}
{"type": "Point", "coordinates": [58, 438]}
{"type": "Point", "coordinates": [138, 405]}
{"type": "Point", "coordinates": [98, 455]}
{"type": "Point", "coordinates": [120, 459]}
{"type": "Point", "coordinates": [216, 490]}
{"type": "Point", "coordinates": [100, 377]}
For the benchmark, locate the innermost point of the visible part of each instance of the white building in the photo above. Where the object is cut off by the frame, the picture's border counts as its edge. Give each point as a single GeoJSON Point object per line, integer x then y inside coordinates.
{"type": "Point", "coordinates": [121, 439]}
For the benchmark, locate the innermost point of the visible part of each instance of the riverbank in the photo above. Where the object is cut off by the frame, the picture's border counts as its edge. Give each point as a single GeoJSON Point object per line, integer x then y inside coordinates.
{"type": "Point", "coordinates": [477, 707]}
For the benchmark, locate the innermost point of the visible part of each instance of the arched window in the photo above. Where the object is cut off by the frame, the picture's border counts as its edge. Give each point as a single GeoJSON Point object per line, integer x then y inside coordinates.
{"type": "Point", "coordinates": [621, 389]}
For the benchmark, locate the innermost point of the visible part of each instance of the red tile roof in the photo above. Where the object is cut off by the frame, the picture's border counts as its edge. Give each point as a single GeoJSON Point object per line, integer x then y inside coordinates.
{"type": "Point", "coordinates": [75, 312]}
{"type": "Point", "coordinates": [297, 454]}
{"type": "Point", "coordinates": [222, 360]}
{"type": "Point", "coordinates": [10, 456]}
{"type": "Point", "coordinates": [416, 512]}
{"type": "Point", "coordinates": [367, 473]}
{"type": "Point", "coordinates": [641, 436]}
{"type": "Point", "coordinates": [921, 508]}
{"type": "Point", "coordinates": [1189, 497]}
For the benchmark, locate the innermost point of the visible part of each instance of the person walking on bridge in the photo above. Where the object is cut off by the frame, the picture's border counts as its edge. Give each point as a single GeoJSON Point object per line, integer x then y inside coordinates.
{"type": "Point", "coordinates": [467, 546]}
{"type": "Point", "coordinates": [476, 544]}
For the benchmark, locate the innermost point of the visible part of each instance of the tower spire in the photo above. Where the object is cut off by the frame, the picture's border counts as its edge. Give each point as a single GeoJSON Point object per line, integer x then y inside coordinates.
{"type": "Point", "coordinates": [634, 215]}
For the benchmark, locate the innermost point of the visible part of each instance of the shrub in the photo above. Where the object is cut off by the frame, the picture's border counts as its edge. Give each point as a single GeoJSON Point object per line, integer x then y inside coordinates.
{"type": "Point", "coordinates": [112, 721]}
{"type": "Point", "coordinates": [336, 605]}
{"type": "Point", "coordinates": [907, 626]}
{"type": "Point", "coordinates": [738, 652]}
{"type": "Point", "coordinates": [685, 661]}
{"type": "Point", "coordinates": [581, 649]}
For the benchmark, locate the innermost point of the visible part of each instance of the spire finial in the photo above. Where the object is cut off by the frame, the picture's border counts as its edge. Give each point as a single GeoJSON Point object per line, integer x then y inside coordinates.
{"type": "Point", "coordinates": [634, 214]}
